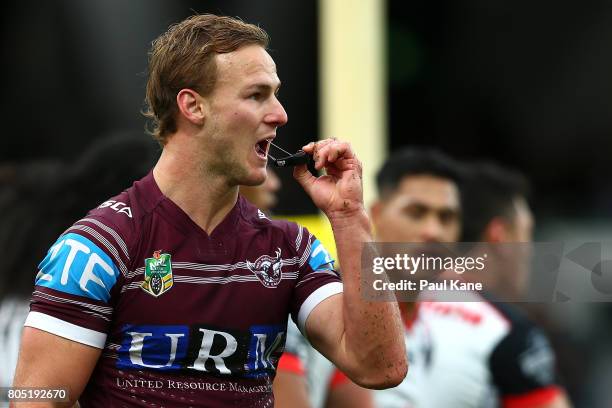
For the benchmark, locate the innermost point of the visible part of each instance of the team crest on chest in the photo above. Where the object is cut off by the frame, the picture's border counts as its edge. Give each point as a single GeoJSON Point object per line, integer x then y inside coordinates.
{"type": "Point", "coordinates": [157, 274]}
{"type": "Point", "coordinates": [267, 269]}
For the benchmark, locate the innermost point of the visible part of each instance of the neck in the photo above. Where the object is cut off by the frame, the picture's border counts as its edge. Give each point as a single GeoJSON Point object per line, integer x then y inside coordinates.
{"type": "Point", "coordinates": [205, 198]}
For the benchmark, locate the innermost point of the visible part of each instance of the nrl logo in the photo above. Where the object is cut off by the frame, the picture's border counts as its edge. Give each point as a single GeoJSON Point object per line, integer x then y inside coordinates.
{"type": "Point", "coordinates": [267, 269]}
{"type": "Point", "coordinates": [158, 274]}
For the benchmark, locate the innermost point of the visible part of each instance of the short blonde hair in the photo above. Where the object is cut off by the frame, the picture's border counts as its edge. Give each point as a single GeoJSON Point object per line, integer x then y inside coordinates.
{"type": "Point", "coordinates": [183, 57]}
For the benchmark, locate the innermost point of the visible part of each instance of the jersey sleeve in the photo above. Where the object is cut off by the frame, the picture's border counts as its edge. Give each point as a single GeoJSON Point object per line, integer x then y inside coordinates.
{"type": "Point", "coordinates": [76, 285]}
{"type": "Point", "coordinates": [317, 279]}
{"type": "Point", "coordinates": [523, 368]}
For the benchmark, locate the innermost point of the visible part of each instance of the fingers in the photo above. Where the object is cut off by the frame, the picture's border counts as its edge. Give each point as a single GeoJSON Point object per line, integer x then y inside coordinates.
{"type": "Point", "coordinates": [329, 151]}
{"type": "Point", "coordinates": [345, 164]}
{"type": "Point", "coordinates": [304, 177]}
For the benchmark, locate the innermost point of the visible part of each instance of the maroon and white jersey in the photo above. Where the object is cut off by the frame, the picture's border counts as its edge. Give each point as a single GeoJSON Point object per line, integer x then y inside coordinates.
{"type": "Point", "coordinates": [183, 317]}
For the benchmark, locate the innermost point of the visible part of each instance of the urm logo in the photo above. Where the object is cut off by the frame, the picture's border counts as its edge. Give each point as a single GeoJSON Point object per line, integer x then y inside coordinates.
{"type": "Point", "coordinates": [202, 348]}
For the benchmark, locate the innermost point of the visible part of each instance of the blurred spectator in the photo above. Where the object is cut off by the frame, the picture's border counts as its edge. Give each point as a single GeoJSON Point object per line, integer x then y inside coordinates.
{"type": "Point", "coordinates": [463, 354]}
{"type": "Point", "coordinates": [263, 196]}
{"type": "Point", "coordinates": [38, 201]}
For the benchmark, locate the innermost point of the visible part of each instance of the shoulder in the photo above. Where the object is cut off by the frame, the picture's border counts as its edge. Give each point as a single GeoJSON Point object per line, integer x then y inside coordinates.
{"type": "Point", "coordinates": [523, 337]}
{"type": "Point", "coordinates": [130, 206]}
{"type": "Point", "coordinates": [523, 359]}
{"type": "Point", "coordinates": [126, 211]}
{"type": "Point", "coordinates": [116, 225]}
{"type": "Point", "coordinates": [519, 322]}
{"type": "Point", "coordinates": [258, 220]}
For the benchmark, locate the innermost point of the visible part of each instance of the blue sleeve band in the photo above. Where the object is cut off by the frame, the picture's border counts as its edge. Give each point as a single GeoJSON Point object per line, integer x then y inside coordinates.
{"type": "Point", "coordinates": [76, 265]}
{"type": "Point", "coordinates": [320, 259]}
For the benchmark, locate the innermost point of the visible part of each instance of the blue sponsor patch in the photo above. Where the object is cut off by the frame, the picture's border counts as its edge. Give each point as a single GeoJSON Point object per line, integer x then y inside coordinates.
{"type": "Point", "coordinates": [77, 266]}
{"type": "Point", "coordinates": [202, 348]}
{"type": "Point", "coordinates": [265, 348]}
{"type": "Point", "coordinates": [320, 259]}
{"type": "Point", "coordinates": [153, 347]}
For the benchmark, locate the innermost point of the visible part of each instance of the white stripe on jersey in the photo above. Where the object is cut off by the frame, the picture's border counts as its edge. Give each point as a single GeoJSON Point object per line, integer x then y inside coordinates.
{"type": "Point", "coordinates": [314, 299]}
{"type": "Point", "coordinates": [306, 254]}
{"type": "Point", "coordinates": [112, 346]}
{"type": "Point", "coordinates": [298, 239]}
{"type": "Point", "coordinates": [66, 330]}
{"type": "Point", "coordinates": [221, 280]}
{"type": "Point", "coordinates": [92, 307]}
{"type": "Point", "coordinates": [104, 242]}
{"type": "Point", "coordinates": [314, 275]}
{"type": "Point", "coordinates": [210, 268]}
{"type": "Point", "coordinates": [99, 316]}
{"type": "Point", "coordinates": [111, 231]}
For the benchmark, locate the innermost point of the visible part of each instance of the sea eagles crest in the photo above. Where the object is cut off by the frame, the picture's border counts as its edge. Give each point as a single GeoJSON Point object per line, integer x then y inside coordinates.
{"type": "Point", "coordinates": [158, 274]}
{"type": "Point", "coordinates": [267, 269]}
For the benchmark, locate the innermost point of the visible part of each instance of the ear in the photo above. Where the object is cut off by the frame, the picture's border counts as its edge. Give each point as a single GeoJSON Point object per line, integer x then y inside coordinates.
{"type": "Point", "coordinates": [496, 231]}
{"type": "Point", "coordinates": [191, 105]}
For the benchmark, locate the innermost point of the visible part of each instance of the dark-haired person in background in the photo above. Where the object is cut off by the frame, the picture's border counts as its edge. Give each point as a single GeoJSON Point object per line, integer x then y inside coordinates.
{"type": "Point", "coordinates": [477, 353]}
{"type": "Point", "coordinates": [177, 291]}
{"type": "Point", "coordinates": [521, 361]}
{"type": "Point", "coordinates": [38, 200]}
{"type": "Point", "coordinates": [418, 202]}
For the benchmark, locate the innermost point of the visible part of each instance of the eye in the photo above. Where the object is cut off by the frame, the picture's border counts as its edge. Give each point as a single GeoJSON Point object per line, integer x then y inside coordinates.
{"type": "Point", "coordinates": [415, 211]}
{"type": "Point", "coordinates": [256, 96]}
{"type": "Point", "coordinates": [448, 216]}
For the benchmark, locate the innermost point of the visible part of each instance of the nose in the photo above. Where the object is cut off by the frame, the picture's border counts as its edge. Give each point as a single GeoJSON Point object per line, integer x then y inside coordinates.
{"type": "Point", "coordinates": [431, 230]}
{"type": "Point", "coordinates": [277, 116]}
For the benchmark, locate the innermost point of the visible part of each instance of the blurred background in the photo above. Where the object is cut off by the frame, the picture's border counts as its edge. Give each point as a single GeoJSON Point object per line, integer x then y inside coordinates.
{"type": "Point", "coordinates": [528, 84]}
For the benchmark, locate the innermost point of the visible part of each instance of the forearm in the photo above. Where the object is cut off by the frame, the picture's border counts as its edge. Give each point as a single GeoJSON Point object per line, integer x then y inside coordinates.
{"type": "Point", "coordinates": [364, 339]}
{"type": "Point", "coordinates": [372, 337]}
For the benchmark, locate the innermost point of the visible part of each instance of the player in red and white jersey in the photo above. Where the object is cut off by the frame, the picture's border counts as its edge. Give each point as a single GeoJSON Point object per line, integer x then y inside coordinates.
{"type": "Point", "coordinates": [176, 292]}
{"type": "Point", "coordinates": [472, 354]}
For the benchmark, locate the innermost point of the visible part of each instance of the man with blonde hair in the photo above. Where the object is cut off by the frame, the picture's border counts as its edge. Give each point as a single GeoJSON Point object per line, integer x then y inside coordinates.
{"type": "Point", "coordinates": [177, 291]}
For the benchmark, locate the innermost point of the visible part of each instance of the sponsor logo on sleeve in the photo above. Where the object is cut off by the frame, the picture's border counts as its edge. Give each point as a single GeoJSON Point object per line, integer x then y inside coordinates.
{"type": "Point", "coordinates": [77, 266]}
{"type": "Point", "coordinates": [538, 360]}
{"type": "Point", "coordinates": [320, 259]}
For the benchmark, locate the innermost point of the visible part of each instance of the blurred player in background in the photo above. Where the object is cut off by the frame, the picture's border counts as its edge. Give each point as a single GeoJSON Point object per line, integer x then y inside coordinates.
{"type": "Point", "coordinates": [521, 361]}
{"type": "Point", "coordinates": [25, 190]}
{"type": "Point", "coordinates": [37, 201]}
{"type": "Point", "coordinates": [462, 354]}
{"type": "Point", "coordinates": [177, 290]}
{"type": "Point", "coordinates": [418, 202]}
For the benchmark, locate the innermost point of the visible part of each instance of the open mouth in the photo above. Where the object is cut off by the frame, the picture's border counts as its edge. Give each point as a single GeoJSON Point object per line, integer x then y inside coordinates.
{"type": "Point", "coordinates": [262, 147]}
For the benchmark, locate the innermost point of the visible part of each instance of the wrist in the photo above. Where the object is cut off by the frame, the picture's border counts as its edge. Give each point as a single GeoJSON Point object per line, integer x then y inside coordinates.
{"type": "Point", "coordinates": [349, 218]}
